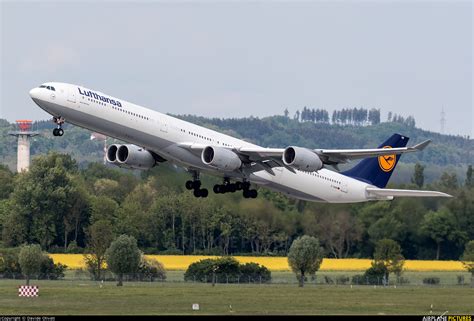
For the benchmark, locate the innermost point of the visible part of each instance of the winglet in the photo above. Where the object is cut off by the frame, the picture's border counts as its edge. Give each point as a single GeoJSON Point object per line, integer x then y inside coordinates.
{"type": "Point", "coordinates": [422, 145]}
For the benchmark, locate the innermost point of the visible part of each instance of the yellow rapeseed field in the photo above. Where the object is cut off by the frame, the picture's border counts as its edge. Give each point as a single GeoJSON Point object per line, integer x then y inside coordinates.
{"type": "Point", "coordinates": [181, 262]}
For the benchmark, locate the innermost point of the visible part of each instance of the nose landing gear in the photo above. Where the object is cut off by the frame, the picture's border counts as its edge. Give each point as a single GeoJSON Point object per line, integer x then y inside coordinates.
{"type": "Point", "coordinates": [58, 131]}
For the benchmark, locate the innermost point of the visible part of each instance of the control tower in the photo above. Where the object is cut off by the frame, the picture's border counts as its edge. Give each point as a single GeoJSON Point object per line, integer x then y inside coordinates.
{"type": "Point", "coordinates": [23, 133]}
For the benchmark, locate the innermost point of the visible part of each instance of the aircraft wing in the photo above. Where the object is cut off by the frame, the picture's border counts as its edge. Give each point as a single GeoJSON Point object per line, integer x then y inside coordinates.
{"type": "Point", "coordinates": [328, 156]}
{"type": "Point", "coordinates": [386, 192]}
{"type": "Point", "coordinates": [331, 156]}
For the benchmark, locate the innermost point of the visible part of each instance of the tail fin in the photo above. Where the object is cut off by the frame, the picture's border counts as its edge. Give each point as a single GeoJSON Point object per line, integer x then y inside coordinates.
{"type": "Point", "coordinates": [377, 170]}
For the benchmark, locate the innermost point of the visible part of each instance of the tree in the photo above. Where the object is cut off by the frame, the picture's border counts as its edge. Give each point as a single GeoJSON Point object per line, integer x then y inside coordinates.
{"type": "Point", "coordinates": [30, 259]}
{"type": "Point", "coordinates": [42, 196]}
{"type": "Point", "coordinates": [99, 237]}
{"type": "Point", "coordinates": [468, 260]}
{"type": "Point", "coordinates": [441, 226]}
{"type": "Point", "coordinates": [103, 208]}
{"type": "Point", "coordinates": [305, 256]}
{"type": "Point", "coordinates": [123, 256]}
{"type": "Point", "coordinates": [418, 176]}
{"type": "Point", "coordinates": [469, 181]}
{"type": "Point", "coordinates": [6, 179]}
{"type": "Point", "coordinates": [339, 231]}
{"type": "Point", "coordinates": [449, 181]}
{"type": "Point", "coordinates": [389, 253]}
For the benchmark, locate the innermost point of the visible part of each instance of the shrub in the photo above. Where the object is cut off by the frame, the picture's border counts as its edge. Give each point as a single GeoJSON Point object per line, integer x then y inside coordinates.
{"type": "Point", "coordinates": [328, 280]}
{"type": "Point", "coordinates": [150, 269]}
{"type": "Point", "coordinates": [227, 269]}
{"type": "Point", "coordinates": [199, 271]}
{"type": "Point", "coordinates": [255, 272]}
{"type": "Point", "coordinates": [9, 265]}
{"type": "Point", "coordinates": [460, 279]}
{"type": "Point", "coordinates": [375, 274]}
{"type": "Point", "coordinates": [51, 271]}
{"type": "Point", "coordinates": [431, 280]}
{"type": "Point", "coordinates": [202, 271]}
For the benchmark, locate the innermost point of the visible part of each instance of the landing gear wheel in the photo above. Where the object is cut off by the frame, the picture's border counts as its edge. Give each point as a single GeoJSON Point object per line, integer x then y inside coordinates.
{"type": "Point", "coordinates": [201, 192]}
{"type": "Point", "coordinates": [217, 189]}
{"type": "Point", "coordinates": [197, 193]}
{"type": "Point", "coordinates": [231, 188]}
{"type": "Point", "coordinates": [204, 192]}
{"type": "Point", "coordinates": [238, 186]}
{"type": "Point", "coordinates": [253, 193]}
{"type": "Point", "coordinates": [196, 184]}
{"type": "Point", "coordinates": [55, 131]}
{"type": "Point", "coordinates": [60, 131]}
{"type": "Point", "coordinates": [189, 185]}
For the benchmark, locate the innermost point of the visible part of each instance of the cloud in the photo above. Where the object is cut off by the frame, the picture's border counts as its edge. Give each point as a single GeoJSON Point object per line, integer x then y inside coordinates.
{"type": "Point", "coordinates": [51, 59]}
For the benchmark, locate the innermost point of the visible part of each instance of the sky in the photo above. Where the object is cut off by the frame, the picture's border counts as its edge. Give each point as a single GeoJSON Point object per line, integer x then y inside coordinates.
{"type": "Point", "coordinates": [237, 59]}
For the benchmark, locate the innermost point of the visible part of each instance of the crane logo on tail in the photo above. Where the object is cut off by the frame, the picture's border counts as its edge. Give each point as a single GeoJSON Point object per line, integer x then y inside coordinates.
{"type": "Point", "coordinates": [387, 162]}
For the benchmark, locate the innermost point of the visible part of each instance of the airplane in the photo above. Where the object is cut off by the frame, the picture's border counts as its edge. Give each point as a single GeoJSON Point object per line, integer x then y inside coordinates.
{"type": "Point", "coordinates": [153, 138]}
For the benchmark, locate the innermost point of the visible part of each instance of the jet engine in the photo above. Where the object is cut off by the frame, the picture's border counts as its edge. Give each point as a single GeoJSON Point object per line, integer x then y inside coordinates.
{"type": "Point", "coordinates": [130, 156]}
{"type": "Point", "coordinates": [111, 154]}
{"type": "Point", "coordinates": [302, 159]}
{"type": "Point", "coordinates": [221, 158]}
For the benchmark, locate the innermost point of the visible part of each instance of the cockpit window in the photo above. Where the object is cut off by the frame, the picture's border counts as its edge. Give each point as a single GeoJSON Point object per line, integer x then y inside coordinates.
{"type": "Point", "coordinates": [48, 87]}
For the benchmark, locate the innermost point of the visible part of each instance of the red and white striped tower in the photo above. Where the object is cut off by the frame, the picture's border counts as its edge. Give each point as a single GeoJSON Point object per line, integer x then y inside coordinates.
{"type": "Point", "coordinates": [23, 133]}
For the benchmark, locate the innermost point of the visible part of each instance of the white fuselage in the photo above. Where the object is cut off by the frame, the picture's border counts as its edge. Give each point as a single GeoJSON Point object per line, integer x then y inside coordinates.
{"type": "Point", "coordinates": [162, 134]}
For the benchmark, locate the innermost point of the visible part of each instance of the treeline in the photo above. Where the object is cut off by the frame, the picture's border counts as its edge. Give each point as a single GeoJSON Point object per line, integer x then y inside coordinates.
{"type": "Point", "coordinates": [348, 116]}
{"type": "Point", "coordinates": [345, 116]}
{"type": "Point", "coordinates": [58, 205]}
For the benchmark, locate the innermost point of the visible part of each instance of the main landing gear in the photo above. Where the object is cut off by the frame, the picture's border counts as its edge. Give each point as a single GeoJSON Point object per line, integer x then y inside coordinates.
{"type": "Point", "coordinates": [226, 187]}
{"type": "Point", "coordinates": [58, 131]}
{"type": "Point", "coordinates": [229, 187]}
{"type": "Point", "coordinates": [195, 185]}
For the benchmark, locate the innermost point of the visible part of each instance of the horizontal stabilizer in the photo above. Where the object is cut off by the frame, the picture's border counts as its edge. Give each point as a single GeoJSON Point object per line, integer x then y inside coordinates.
{"type": "Point", "coordinates": [385, 192]}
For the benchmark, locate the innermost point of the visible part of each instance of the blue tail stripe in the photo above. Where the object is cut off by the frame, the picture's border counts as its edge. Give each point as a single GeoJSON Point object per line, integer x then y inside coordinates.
{"type": "Point", "coordinates": [370, 170]}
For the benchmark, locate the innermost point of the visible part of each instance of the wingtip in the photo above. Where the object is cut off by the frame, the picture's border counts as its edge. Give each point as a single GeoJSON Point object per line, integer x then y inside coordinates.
{"type": "Point", "coordinates": [422, 145]}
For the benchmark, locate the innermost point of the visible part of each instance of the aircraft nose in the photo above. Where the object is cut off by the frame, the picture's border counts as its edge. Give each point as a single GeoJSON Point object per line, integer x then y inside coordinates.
{"type": "Point", "coordinates": [34, 92]}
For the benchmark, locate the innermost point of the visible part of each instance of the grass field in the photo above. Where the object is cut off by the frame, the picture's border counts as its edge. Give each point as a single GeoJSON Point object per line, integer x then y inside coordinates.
{"type": "Point", "coordinates": [74, 297]}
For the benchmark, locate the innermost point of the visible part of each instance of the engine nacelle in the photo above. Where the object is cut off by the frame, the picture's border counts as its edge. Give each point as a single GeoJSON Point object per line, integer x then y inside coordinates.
{"type": "Point", "coordinates": [130, 156]}
{"type": "Point", "coordinates": [302, 159]}
{"type": "Point", "coordinates": [221, 158]}
{"type": "Point", "coordinates": [111, 154]}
